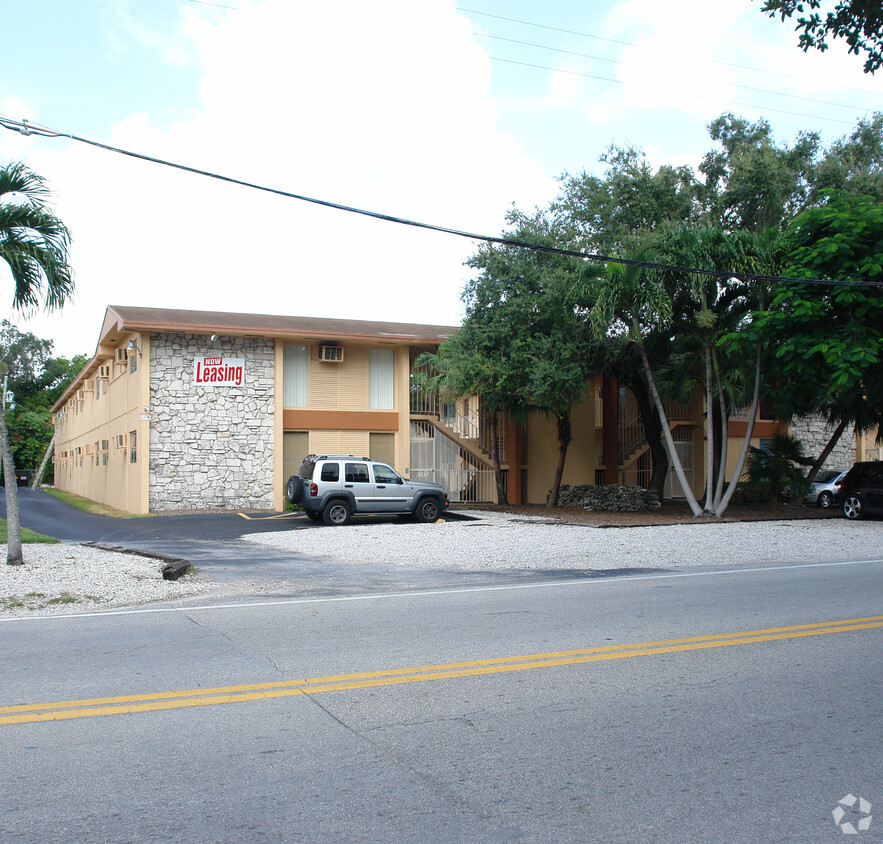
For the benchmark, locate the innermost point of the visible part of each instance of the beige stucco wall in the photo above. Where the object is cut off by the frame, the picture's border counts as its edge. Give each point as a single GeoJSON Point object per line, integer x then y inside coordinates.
{"type": "Point", "coordinates": [542, 452]}
{"type": "Point", "coordinates": [107, 408]}
{"type": "Point", "coordinates": [343, 388]}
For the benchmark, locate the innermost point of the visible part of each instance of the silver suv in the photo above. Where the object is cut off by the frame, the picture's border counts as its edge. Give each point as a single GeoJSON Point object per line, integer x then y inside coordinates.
{"type": "Point", "coordinates": [334, 487]}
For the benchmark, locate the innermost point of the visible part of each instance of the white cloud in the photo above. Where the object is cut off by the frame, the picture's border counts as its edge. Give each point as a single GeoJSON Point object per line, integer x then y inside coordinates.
{"type": "Point", "coordinates": [383, 106]}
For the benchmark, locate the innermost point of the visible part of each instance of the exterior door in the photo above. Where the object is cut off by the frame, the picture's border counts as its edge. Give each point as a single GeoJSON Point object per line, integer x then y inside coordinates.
{"type": "Point", "coordinates": [357, 480]}
{"type": "Point", "coordinates": [391, 493]}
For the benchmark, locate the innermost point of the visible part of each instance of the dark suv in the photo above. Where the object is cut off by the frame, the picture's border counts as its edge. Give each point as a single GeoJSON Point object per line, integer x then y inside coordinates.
{"type": "Point", "coordinates": [861, 491]}
{"type": "Point", "coordinates": [334, 487]}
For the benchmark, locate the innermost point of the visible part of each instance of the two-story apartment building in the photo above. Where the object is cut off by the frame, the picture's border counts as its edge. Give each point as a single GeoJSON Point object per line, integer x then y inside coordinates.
{"type": "Point", "coordinates": [192, 410]}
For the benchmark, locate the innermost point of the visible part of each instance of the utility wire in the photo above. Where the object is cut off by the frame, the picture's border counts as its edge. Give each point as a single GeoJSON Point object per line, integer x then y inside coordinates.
{"type": "Point", "coordinates": [640, 46]}
{"type": "Point", "coordinates": [669, 90]}
{"type": "Point", "coordinates": [24, 127]}
{"type": "Point", "coordinates": [627, 64]}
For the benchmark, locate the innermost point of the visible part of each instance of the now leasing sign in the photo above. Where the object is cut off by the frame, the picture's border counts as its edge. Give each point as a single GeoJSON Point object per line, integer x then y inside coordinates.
{"type": "Point", "coordinates": [219, 372]}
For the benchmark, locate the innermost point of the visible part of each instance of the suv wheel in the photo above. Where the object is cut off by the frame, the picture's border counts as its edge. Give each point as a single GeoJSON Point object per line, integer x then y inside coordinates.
{"type": "Point", "coordinates": [337, 513]}
{"type": "Point", "coordinates": [825, 500]}
{"type": "Point", "coordinates": [852, 507]}
{"type": "Point", "coordinates": [292, 489]}
{"type": "Point", "coordinates": [428, 510]}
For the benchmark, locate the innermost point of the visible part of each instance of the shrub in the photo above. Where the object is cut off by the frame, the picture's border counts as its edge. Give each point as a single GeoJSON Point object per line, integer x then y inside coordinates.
{"type": "Point", "coordinates": [612, 497]}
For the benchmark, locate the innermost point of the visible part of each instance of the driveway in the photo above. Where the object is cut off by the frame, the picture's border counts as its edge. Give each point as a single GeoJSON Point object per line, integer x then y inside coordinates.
{"type": "Point", "coordinates": [213, 543]}
{"type": "Point", "coordinates": [209, 540]}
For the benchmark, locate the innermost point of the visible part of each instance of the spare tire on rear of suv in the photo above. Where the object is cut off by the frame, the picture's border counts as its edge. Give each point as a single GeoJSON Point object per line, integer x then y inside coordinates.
{"type": "Point", "coordinates": [293, 489]}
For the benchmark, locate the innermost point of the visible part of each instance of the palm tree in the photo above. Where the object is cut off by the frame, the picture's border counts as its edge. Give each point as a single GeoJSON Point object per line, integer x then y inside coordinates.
{"type": "Point", "coordinates": [34, 245]}
{"type": "Point", "coordinates": [710, 308]}
{"type": "Point", "coordinates": [775, 466]}
{"type": "Point", "coordinates": [631, 301]}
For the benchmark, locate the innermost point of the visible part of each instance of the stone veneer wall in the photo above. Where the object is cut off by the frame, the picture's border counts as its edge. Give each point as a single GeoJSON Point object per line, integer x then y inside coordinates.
{"type": "Point", "coordinates": [210, 447]}
{"type": "Point", "coordinates": [814, 434]}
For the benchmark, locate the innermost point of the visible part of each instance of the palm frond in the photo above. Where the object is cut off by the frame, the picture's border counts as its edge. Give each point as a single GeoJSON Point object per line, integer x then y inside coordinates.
{"type": "Point", "coordinates": [33, 242]}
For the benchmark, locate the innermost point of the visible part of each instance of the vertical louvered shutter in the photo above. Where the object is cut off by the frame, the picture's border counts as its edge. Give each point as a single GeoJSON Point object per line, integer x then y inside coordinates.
{"type": "Point", "coordinates": [295, 376]}
{"type": "Point", "coordinates": [381, 380]}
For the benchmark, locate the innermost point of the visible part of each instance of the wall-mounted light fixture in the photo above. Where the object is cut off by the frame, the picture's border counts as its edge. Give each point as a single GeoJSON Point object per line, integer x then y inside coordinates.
{"type": "Point", "coordinates": [132, 348]}
{"type": "Point", "coordinates": [214, 337]}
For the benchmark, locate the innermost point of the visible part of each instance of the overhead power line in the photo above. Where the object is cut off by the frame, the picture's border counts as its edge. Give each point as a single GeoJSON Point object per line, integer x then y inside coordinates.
{"type": "Point", "coordinates": [25, 127]}
{"type": "Point", "coordinates": [580, 55]}
{"type": "Point", "coordinates": [668, 90]}
{"type": "Point", "coordinates": [801, 79]}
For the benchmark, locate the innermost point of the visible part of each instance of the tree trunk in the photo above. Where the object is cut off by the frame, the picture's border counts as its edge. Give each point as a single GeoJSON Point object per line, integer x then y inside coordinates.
{"type": "Point", "coordinates": [740, 463]}
{"type": "Point", "coordinates": [720, 439]}
{"type": "Point", "coordinates": [564, 438]}
{"type": "Point", "coordinates": [708, 504]}
{"type": "Point", "coordinates": [673, 453]}
{"type": "Point", "coordinates": [835, 438]}
{"type": "Point", "coordinates": [13, 519]}
{"type": "Point", "coordinates": [39, 476]}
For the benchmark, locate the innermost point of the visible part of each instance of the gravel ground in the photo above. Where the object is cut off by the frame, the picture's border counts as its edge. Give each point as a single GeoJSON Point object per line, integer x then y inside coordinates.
{"type": "Point", "coordinates": [61, 579]}
{"type": "Point", "coordinates": [507, 542]}
{"type": "Point", "coordinates": [75, 578]}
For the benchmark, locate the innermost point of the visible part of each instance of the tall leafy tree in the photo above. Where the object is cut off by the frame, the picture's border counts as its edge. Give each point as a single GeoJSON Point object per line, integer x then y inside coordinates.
{"type": "Point", "coordinates": [472, 363]}
{"type": "Point", "coordinates": [523, 345]}
{"type": "Point", "coordinates": [751, 182]}
{"type": "Point", "coordinates": [748, 185]}
{"type": "Point", "coordinates": [852, 165]}
{"type": "Point", "coordinates": [858, 22]}
{"type": "Point", "coordinates": [832, 329]}
{"type": "Point", "coordinates": [528, 296]}
{"type": "Point", "coordinates": [618, 210]}
{"type": "Point", "coordinates": [34, 246]}
{"type": "Point", "coordinates": [36, 379]}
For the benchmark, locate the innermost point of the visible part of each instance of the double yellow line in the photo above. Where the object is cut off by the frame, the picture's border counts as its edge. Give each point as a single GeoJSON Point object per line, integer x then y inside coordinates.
{"type": "Point", "coordinates": [126, 704]}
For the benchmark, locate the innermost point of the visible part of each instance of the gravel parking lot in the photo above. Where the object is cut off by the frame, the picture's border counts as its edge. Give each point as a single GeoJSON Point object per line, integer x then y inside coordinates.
{"type": "Point", "coordinates": [504, 541]}
{"type": "Point", "coordinates": [74, 578]}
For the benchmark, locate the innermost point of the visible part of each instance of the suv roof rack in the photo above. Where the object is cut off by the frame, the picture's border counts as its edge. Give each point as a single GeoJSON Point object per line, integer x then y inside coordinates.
{"type": "Point", "coordinates": [337, 457]}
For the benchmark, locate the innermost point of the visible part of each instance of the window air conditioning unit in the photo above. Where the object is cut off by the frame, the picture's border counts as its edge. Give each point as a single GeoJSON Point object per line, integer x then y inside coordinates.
{"type": "Point", "coordinates": [120, 356]}
{"type": "Point", "coordinates": [104, 372]}
{"type": "Point", "coordinates": [331, 354]}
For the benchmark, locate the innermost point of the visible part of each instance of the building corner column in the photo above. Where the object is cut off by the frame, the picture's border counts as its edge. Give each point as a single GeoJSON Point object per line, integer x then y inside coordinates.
{"type": "Point", "coordinates": [610, 428]}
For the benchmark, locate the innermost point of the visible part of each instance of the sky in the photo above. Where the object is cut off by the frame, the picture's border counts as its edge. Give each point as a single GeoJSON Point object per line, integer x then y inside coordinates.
{"type": "Point", "coordinates": [424, 109]}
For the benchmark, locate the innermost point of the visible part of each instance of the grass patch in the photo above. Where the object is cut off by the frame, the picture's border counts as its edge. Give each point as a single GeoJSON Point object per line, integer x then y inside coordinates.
{"type": "Point", "coordinates": [63, 598]}
{"type": "Point", "coordinates": [27, 536]}
{"type": "Point", "coordinates": [38, 601]}
{"type": "Point", "coordinates": [88, 506]}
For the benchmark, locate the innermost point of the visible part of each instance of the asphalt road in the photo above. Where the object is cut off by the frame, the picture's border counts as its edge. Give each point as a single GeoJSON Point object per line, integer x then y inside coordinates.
{"type": "Point", "coordinates": [690, 707]}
